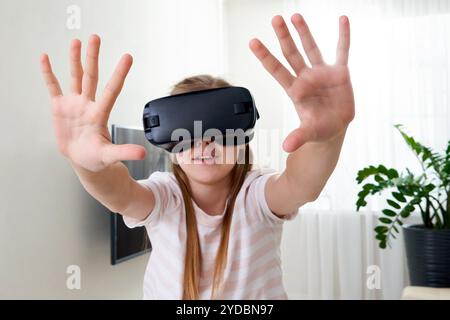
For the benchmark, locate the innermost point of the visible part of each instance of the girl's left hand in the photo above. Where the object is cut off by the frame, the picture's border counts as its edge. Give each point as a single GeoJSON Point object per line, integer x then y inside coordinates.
{"type": "Point", "coordinates": [322, 94]}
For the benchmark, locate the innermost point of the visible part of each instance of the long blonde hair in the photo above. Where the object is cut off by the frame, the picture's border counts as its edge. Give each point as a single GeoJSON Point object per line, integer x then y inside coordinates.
{"type": "Point", "coordinates": [193, 257]}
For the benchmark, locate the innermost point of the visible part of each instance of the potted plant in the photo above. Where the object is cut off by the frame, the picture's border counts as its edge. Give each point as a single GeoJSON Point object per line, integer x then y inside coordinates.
{"type": "Point", "coordinates": [428, 244]}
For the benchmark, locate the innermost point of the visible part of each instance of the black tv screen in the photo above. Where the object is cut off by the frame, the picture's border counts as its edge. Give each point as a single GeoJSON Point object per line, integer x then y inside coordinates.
{"type": "Point", "coordinates": [128, 243]}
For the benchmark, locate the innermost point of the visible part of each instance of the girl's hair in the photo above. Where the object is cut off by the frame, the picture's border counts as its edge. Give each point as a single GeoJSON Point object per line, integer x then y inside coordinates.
{"type": "Point", "coordinates": [193, 257]}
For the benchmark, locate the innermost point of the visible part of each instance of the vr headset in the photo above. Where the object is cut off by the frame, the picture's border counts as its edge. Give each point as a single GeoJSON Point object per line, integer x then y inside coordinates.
{"type": "Point", "coordinates": [226, 116]}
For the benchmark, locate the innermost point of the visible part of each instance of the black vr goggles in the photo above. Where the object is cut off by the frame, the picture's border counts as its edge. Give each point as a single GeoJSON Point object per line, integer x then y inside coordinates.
{"type": "Point", "coordinates": [225, 115]}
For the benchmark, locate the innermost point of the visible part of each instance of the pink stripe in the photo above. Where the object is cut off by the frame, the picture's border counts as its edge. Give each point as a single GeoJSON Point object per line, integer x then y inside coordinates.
{"type": "Point", "coordinates": [250, 292]}
{"type": "Point", "coordinates": [236, 248]}
{"type": "Point", "coordinates": [254, 274]}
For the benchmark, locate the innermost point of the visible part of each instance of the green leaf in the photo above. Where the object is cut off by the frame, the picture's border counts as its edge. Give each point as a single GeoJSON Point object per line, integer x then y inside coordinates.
{"type": "Point", "coordinates": [363, 193]}
{"type": "Point", "coordinates": [380, 237]}
{"type": "Point", "coordinates": [366, 172]}
{"type": "Point", "coordinates": [408, 191]}
{"type": "Point", "coordinates": [381, 229]}
{"type": "Point", "coordinates": [393, 204]}
{"type": "Point", "coordinates": [398, 196]}
{"type": "Point", "coordinates": [360, 203]}
{"type": "Point", "coordinates": [429, 187]}
{"type": "Point", "coordinates": [382, 169]}
{"type": "Point", "coordinates": [405, 214]}
{"type": "Point", "coordinates": [389, 212]}
{"type": "Point", "coordinates": [426, 155]}
{"type": "Point", "coordinates": [369, 186]}
{"type": "Point", "coordinates": [385, 220]}
{"type": "Point", "coordinates": [392, 174]}
{"type": "Point", "coordinates": [378, 178]}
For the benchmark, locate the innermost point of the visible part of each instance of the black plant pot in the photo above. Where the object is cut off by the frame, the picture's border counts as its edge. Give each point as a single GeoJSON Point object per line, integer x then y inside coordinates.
{"type": "Point", "coordinates": [428, 255]}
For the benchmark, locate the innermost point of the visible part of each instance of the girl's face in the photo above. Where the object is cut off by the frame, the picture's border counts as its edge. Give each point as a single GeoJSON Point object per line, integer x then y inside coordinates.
{"type": "Point", "coordinates": [207, 162]}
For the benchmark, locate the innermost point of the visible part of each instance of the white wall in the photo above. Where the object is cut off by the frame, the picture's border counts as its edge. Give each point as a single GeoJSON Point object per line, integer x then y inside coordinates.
{"type": "Point", "coordinates": [47, 221]}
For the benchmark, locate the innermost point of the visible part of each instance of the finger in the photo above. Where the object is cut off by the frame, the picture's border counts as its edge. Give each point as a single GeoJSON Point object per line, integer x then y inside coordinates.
{"type": "Point", "coordinates": [308, 42]}
{"type": "Point", "coordinates": [90, 76]}
{"type": "Point", "coordinates": [297, 138]}
{"type": "Point", "coordinates": [52, 83]}
{"type": "Point", "coordinates": [113, 153]}
{"type": "Point", "coordinates": [288, 46]}
{"type": "Point", "coordinates": [344, 41]}
{"type": "Point", "coordinates": [115, 84]}
{"type": "Point", "coordinates": [76, 70]}
{"type": "Point", "coordinates": [271, 64]}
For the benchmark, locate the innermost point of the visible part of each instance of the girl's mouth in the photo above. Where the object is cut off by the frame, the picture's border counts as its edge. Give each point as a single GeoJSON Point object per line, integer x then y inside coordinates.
{"type": "Point", "coordinates": [205, 160]}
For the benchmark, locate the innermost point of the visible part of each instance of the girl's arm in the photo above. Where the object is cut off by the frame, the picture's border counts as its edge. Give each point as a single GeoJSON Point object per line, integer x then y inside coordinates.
{"type": "Point", "coordinates": [117, 190]}
{"type": "Point", "coordinates": [307, 171]}
{"type": "Point", "coordinates": [323, 98]}
{"type": "Point", "coordinates": [80, 123]}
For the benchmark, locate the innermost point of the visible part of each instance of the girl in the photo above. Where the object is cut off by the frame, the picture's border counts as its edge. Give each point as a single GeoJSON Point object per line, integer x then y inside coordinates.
{"type": "Point", "coordinates": [215, 228]}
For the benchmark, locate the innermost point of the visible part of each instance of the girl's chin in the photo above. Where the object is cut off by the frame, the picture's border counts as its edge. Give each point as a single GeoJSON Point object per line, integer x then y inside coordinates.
{"type": "Point", "coordinates": [206, 166]}
{"type": "Point", "coordinates": [208, 173]}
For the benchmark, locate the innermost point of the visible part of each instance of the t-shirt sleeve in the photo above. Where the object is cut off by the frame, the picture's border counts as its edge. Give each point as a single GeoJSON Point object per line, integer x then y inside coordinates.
{"type": "Point", "coordinates": [162, 187]}
{"type": "Point", "coordinates": [256, 197]}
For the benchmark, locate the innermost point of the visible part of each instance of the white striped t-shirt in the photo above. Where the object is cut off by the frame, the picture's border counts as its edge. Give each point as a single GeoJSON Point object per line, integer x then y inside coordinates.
{"type": "Point", "coordinates": [253, 270]}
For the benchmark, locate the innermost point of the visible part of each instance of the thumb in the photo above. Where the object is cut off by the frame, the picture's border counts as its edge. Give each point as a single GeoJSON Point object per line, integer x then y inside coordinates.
{"type": "Point", "coordinates": [297, 138]}
{"type": "Point", "coordinates": [113, 153]}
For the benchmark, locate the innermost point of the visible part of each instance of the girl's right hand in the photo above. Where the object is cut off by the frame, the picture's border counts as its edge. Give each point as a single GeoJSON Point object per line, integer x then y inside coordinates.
{"type": "Point", "coordinates": [81, 122]}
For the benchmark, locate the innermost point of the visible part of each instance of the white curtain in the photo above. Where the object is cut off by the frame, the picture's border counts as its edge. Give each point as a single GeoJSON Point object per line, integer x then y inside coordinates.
{"type": "Point", "coordinates": [333, 255]}
{"type": "Point", "coordinates": [400, 66]}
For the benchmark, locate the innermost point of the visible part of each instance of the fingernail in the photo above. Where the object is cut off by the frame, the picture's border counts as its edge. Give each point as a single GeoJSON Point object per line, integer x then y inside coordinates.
{"type": "Point", "coordinates": [298, 17]}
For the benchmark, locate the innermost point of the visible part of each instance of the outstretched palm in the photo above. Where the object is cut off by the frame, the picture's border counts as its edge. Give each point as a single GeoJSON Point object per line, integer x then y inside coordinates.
{"type": "Point", "coordinates": [322, 94]}
{"type": "Point", "coordinates": [80, 122]}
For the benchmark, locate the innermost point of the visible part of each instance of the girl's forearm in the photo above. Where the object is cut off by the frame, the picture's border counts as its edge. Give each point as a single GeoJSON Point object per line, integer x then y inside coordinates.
{"type": "Point", "coordinates": [111, 186]}
{"type": "Point", "coordinates": [309, 168]}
